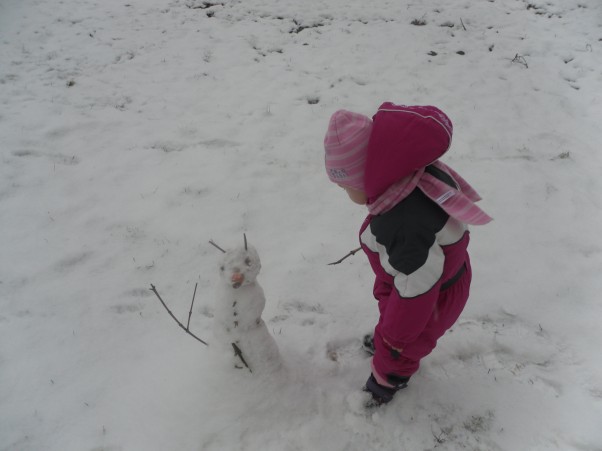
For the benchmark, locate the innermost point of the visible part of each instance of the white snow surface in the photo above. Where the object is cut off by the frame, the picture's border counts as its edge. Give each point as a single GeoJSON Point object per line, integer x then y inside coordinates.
{"type": "Point", "coordinates": [134, 131]}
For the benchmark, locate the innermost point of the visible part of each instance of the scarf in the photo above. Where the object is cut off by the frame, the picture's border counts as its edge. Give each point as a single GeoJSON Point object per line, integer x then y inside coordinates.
{"type": "Point", "coordinates": [456, 202]}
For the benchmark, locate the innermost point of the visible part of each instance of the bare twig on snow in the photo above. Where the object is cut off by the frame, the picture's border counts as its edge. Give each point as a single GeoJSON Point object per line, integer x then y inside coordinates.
{"type": "Point", "coordinates": [520, 60]}
{"type": "Point", "coordinates": [191, 304]}
{"type": "Point", "coordinates": [154, 290]}
{"type": "Point", "coordinates": [346, 256]}
{"type": "Point", "coordinates": [215, 245]}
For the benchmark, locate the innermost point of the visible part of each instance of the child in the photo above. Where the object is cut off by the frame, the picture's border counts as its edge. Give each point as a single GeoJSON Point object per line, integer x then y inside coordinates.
{"type": "Point", "coordinates": [415, 235]}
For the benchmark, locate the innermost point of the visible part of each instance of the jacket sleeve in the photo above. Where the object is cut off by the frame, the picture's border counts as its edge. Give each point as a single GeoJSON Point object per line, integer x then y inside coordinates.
{"type": "Point", "coordinates": [405, 318]}
{"type": "Point", "coordinates": [382, 289]}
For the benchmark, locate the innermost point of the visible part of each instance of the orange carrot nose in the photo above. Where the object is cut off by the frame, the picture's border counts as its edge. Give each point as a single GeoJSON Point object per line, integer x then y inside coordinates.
{"type": "Point", "coordinates": [237, 278]}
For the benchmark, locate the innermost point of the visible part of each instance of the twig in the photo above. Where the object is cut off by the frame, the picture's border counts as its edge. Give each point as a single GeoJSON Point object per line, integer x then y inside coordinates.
{"type": "Point", "coordinates": [521, 60]}
{"type": "Point", "coordinates": [245, 236]}
{"type": "Point", "coordinates": [213, 244]}
{"type": "Point", "coordinates": [238, 353]}
{"type": "Point", "coordinates": [346, 256]}
{"type": "Point", "coordinates": [192, 303]}
{"type": "Point", "coordinates": [462, 22]}
{"type": "Point", "coordinates": [154, 290]}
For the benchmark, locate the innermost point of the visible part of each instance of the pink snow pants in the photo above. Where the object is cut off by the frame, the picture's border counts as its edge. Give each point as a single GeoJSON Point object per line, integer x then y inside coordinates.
{"type": "Point", "coordinates": [446, 312]}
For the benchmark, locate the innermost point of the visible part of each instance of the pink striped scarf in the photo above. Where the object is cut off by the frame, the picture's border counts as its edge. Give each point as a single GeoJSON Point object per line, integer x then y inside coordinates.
{"type": "Point", "coordinates": [458, 203]}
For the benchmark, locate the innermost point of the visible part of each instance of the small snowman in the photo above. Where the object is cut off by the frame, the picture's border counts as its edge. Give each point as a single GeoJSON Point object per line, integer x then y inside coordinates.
{"type": "Point", "coordinates": [238, 328]}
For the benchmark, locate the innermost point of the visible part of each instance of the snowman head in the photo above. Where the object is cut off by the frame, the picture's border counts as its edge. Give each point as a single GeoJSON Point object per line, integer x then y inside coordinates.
{"type": "Point", "coordinates": [240, 266]}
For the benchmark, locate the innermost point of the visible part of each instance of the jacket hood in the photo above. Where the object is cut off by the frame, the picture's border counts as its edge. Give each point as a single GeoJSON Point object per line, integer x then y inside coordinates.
{"type": "Point", "coordinates": [403, 140]}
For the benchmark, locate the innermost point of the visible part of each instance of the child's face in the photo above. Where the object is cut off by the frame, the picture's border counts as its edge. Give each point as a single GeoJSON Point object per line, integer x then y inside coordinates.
{"type": "Point", "coordinates": [356, 195]}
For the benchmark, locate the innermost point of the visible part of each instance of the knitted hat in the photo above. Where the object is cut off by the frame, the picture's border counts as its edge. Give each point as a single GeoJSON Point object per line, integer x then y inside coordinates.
{"type": "Point", "coordinates": [346, 143]}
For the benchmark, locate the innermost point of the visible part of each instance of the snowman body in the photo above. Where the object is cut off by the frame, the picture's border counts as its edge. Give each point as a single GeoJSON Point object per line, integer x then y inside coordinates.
{"type": "Point", "coordinates": [239, 304]}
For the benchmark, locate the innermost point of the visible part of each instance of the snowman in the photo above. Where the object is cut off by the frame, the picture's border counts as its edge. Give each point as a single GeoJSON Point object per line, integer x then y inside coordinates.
{"type": "Point", "coordinates": [239, 330]}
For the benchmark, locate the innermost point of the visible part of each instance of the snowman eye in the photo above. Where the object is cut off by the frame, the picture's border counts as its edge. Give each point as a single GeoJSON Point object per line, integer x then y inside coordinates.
{"type": "Point", "coordinates": [221, 268]}
{"type": "Point", "coordinates": [248, 261]}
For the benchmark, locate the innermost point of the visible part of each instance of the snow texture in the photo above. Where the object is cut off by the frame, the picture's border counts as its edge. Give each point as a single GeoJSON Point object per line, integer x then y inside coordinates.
{"type": "Point", "coordinates": [134, 131]}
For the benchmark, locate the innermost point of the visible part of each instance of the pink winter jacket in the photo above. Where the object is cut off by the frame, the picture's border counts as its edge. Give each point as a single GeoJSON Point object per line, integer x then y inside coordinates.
{"type": "Point", "coordinates": [415, 247]}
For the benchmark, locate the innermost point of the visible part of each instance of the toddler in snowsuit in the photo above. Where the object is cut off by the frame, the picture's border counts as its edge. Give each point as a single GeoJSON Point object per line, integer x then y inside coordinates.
{"type": "Point", "coordinates": [415, 235]}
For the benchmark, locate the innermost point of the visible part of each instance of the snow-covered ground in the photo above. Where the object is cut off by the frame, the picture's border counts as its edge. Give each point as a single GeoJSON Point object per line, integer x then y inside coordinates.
{"type": "Point", "coordinates": [134, 131]}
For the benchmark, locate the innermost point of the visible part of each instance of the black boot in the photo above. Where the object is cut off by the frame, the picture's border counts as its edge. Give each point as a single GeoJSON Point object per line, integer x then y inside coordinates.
{"type": "Point", "coordinates": [381, 394]}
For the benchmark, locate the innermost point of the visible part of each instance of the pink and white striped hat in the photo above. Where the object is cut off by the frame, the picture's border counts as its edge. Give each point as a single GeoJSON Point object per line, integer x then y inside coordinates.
{"type": "Point", "coordinates": [346, 144]}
